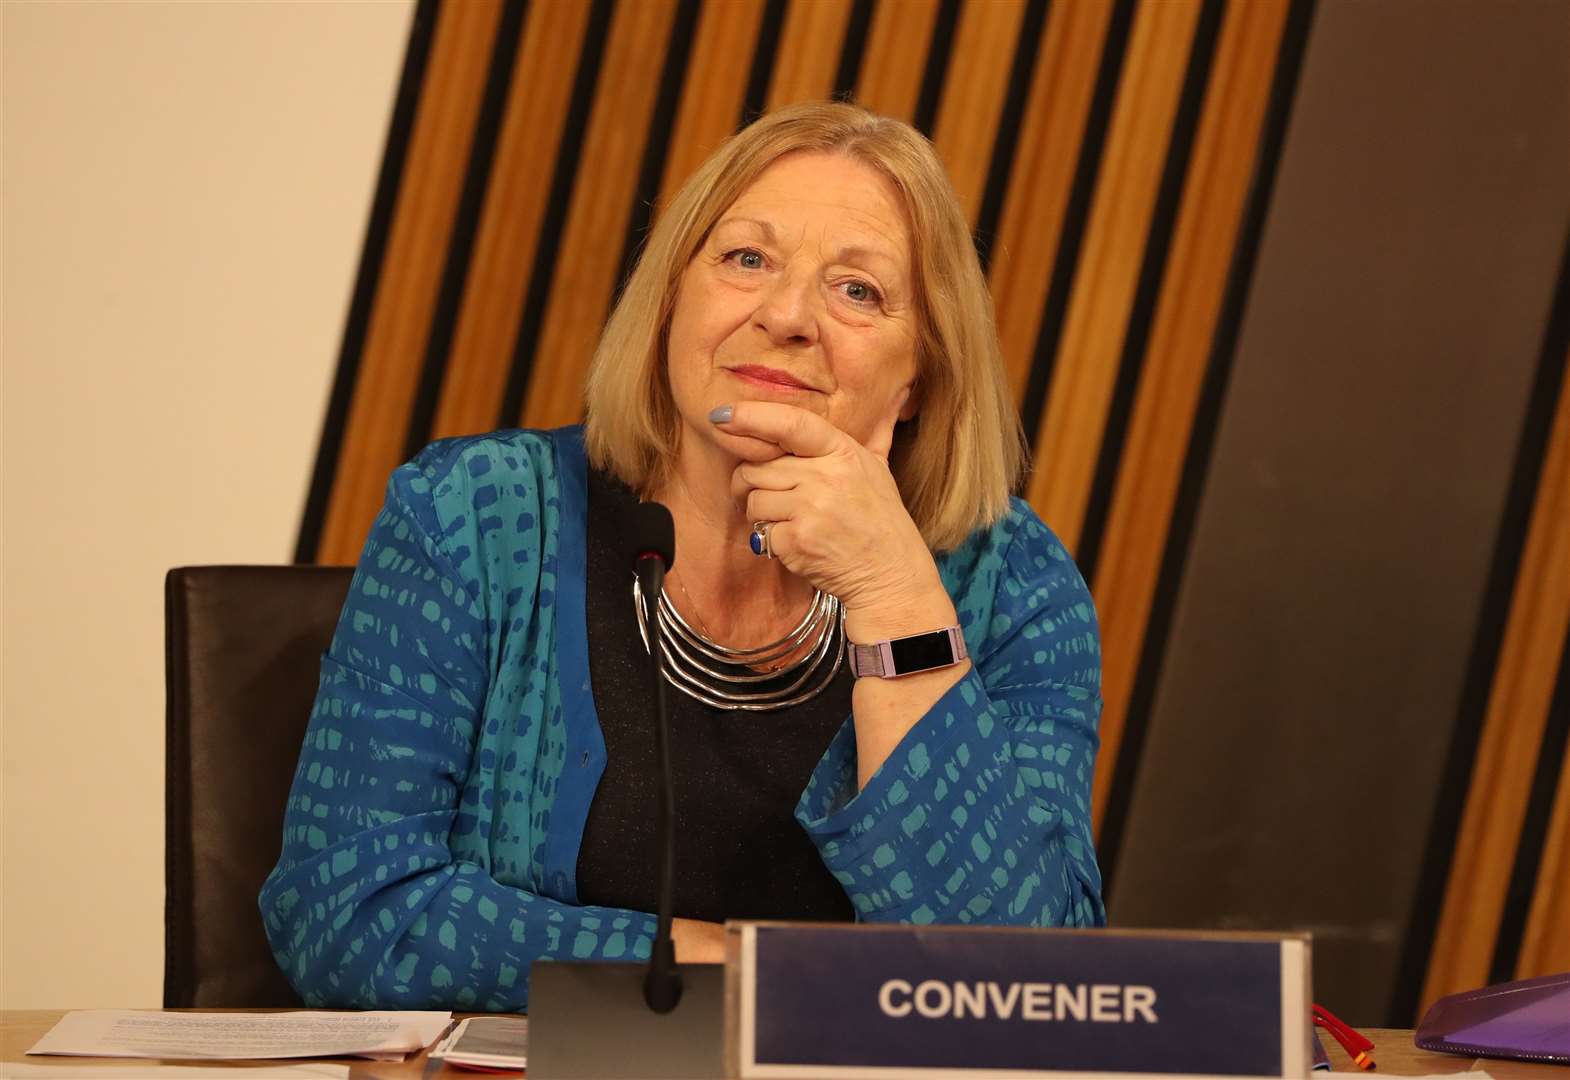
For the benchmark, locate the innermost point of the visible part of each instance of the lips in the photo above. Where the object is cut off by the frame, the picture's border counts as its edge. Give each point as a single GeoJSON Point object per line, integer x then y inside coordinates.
{"type": "Point", "coordinates": [773, 378]}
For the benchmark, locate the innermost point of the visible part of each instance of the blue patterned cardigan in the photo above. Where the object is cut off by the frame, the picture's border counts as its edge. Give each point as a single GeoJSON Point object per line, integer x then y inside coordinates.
{"type": "Point", "coordinates": [431, 838]}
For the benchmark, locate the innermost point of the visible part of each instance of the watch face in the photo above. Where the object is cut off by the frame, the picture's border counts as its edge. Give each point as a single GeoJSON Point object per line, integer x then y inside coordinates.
{"type": "Point", "coordinates": [921, 652]}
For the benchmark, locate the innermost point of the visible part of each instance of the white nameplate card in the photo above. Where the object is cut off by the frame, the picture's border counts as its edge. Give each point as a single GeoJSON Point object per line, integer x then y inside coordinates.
{"type": "Point", "coordinates": [809, 1000]}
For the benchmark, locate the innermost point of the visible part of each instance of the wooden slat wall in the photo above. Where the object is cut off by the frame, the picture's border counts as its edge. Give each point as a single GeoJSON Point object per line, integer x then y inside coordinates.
{"type": "Point", "coordinates": [1184, 325]}
{"type": "Point", "coordinates": [374, 435]}
{"type": "Point", "coordinates": [1115, 143]}
{"type": "Point", "coordinates": [1546, 946]}
{"type": "Point", "coordinates": [897, 46]}
{"type": "Point", "coordinates": [715, 90]}
{"type": "Point", "coordinates": [1508, 755]}
{"type": "Point", "coordinates": [1038, 194]}
{"type": "Point", "coordinates": [973, 103]}
{"type": "Point", "coordinates": [510, 227]}
{"type": "Point", "coordinates": [586, 273]}
{"type": "Point", "coordinates": [809, 51]}
{"type": "Point", "coordinates": [1087, 361]}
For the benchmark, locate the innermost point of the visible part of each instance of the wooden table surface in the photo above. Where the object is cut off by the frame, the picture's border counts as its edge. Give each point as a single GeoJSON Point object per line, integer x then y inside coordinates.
{"type": "Point", "coordinates": [1393, 1050]}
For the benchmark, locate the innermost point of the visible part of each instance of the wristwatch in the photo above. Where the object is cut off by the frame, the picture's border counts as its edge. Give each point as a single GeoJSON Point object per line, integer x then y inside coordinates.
{"type": "Point", "coordinates": [907, 655]}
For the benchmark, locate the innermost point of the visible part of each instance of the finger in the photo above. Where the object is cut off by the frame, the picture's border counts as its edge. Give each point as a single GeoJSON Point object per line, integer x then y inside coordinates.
{"type": "Point", "coordinates": [749, 475]}
{"type": "Point", "coordinates": [883, 435]}
{"type": "Point", "coordinates": [770, 505]}
{"type": "Point", "coordinates": [792, 429]}
{"type": "Point", "coordinates": [781, 474]}
{"type": "Point", "coordinates": [779, 541]}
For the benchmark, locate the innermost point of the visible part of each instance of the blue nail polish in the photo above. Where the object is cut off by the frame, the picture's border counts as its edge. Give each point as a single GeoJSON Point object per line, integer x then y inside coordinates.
{"type": "Point", "coordinates": [721, 415]}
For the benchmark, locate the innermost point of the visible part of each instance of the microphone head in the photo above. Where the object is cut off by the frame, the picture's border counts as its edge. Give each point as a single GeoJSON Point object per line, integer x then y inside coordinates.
{"type": "Point", "coordinates": [651, 531]}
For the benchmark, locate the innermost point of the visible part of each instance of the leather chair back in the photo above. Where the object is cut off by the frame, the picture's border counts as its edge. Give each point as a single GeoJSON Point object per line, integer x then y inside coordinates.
{"type": "Point", "coordinates": [243, 648]}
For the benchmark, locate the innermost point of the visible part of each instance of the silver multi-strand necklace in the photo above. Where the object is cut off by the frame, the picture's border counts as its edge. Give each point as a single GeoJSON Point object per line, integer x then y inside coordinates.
{"type": "Point", "coordinates": [685, 651]}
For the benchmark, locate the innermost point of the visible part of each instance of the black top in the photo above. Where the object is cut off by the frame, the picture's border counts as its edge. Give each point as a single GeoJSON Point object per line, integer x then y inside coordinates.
{"type": "Point", "coordinates": [739, 852]}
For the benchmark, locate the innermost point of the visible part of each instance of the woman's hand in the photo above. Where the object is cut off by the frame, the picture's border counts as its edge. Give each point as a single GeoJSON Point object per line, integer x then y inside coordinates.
{"type": "Point", "coordinates": [838, 519]}
{"type": "Point", "coordinates": [698, 942]}
{"type": "Point", "coordinates": [839, 522]}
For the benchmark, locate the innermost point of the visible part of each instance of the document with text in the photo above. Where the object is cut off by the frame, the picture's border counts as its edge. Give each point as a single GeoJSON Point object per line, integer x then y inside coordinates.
{"type": "Point", "coordinates": [385, 1036]}
{"type": "Point", "coordinates": [12, 1070]}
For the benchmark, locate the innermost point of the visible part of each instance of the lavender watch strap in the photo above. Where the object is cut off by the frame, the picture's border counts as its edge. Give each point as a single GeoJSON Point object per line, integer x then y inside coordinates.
{"type": "Point", "coordinates": [893, 657]}
{"type": "Point", "coordinates": [867, 660]}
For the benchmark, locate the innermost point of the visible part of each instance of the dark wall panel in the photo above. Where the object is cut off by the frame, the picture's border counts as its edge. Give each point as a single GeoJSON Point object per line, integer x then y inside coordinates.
{"type": "Point", "coordinates": [1340, 555]}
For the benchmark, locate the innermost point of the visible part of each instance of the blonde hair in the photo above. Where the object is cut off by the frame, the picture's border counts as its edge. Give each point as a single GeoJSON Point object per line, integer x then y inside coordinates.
{"type": "Point", "coordinates": [959, 457]}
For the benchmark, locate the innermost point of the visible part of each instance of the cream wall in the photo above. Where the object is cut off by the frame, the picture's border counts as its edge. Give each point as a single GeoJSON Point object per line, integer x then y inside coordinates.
{"type": "Point", "coordinates": [186, 187]}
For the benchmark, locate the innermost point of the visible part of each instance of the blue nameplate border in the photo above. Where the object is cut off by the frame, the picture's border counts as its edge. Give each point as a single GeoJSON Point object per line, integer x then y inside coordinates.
{"type": "Point", "coordinates": [806, 1001]}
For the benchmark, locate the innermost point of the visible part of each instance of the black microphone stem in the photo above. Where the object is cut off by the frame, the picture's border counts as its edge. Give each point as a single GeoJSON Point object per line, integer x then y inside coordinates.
{"type": "Point", "coordinates": [662, 985]}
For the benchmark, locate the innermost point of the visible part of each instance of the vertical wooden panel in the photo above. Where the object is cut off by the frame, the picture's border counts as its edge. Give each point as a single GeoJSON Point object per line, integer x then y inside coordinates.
{"type": "Point", "coordinates": [716, 83]}
{"type": "Point", "coordinates": [891, 70]}
{"type": "Point", "coordinates": [1049, 139]}
{"type": "Point", "coordinates": [400, 320]}
{"type": "Point", "coordinates": [973, 96]}
{"type": "Point", "coordinates": [1546, 945]}
{"type": "Point", "coordinates": [1513, 726]}
{"type": "Point", "coordinates": [1220, 172]}
{"type": "Point", "coordinates": [1066, 451]}
{"type": "Point", "coordinates": [586, 271]}
{"type": "Point", "coordinates": [510, 223]}
{"type": "Point", "coordinates": [809, 51]}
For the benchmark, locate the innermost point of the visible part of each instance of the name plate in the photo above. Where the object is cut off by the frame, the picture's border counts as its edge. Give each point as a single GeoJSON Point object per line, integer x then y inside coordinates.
{"type": "Point", "coordinates": [808, 1000]}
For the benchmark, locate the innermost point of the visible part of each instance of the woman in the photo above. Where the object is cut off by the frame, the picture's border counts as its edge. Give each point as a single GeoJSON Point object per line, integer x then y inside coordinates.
{"type": "Point", "coordinates": [804, 369]}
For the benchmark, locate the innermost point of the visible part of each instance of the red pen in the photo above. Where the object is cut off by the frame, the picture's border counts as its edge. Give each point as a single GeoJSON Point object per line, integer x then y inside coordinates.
{"type": "Point", "coordinates": [1356, 1046]}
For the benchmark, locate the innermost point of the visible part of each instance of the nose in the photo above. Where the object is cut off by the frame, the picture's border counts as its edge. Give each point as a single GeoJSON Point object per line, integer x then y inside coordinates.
{"type": "Point", "coordinates": [787, 311]}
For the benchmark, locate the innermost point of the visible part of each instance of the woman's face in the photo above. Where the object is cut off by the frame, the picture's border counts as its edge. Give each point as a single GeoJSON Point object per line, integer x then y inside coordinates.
{"type": "Point", "coordinates": [801, 294]}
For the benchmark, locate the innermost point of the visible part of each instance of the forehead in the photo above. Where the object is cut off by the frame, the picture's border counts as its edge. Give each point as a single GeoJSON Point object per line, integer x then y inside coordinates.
{"type": "Point", "coordinates": [849, 199]}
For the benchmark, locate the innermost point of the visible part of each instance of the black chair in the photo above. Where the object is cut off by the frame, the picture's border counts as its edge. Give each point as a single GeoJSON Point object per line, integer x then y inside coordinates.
{"type": "Point", "coordinates": [243, 647]}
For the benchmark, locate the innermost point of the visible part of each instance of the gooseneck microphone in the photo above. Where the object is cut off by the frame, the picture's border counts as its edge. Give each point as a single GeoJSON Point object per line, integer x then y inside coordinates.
{"type": "Point", "coordinates": [652, 539]}
{"type": "Point", "coordinates": [677, 1030]}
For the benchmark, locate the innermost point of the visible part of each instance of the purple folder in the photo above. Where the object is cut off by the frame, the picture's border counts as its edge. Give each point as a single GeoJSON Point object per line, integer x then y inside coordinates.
{"type": "Point", "coordinates": [1528, 1020]}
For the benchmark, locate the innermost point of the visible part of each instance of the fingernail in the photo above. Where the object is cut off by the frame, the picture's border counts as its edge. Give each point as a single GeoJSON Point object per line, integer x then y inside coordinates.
{"type": "Point", "coordinates": [721, 415]}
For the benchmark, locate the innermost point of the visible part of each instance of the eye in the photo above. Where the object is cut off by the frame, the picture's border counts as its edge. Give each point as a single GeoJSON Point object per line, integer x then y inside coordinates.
{"type": "Point", "coordinates": [746, 258]}
{"type": "Point", "coordinates": [862, 293]}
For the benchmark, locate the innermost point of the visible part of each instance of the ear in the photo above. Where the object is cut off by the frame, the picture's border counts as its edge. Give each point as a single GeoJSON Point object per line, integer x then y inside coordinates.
{"type": "Point", "coordinates": [912, 404]}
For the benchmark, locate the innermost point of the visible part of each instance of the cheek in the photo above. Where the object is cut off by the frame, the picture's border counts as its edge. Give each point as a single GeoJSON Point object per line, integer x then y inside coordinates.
{"type": "Point", "coordinates": [686, 356]}
{"type": "Point", "coordinates": [704, 317]}
{"type": "Point", "coordinates": [869, 378]}
{"type": "Point", "coordinates": [679, 338]}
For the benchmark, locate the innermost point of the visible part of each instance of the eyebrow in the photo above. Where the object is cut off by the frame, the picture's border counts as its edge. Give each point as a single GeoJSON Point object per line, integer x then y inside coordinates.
{"type": "Point", "coordinates": [765, 227]}
{"type": "Point", "coordinates": [845, 254]}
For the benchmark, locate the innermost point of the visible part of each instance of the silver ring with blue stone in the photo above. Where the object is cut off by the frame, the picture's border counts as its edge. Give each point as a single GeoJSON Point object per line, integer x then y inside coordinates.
{"type": "Point", "coordinates": [759, 540]}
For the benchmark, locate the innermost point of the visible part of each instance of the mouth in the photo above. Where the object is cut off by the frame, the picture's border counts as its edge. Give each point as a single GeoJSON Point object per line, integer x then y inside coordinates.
{"type": "Point", "coordinates": [770, 378]}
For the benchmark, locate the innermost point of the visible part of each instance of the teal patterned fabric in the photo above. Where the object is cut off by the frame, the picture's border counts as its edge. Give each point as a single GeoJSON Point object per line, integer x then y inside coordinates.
{"type": "Point", "coordinates": [431, 837]}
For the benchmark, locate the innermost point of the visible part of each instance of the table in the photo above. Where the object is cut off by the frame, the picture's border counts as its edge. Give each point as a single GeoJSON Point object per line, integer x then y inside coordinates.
{"type": "Point", "coordinates": [1393, 1050]}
